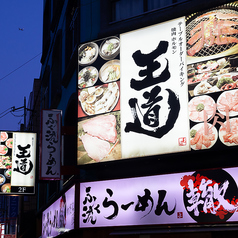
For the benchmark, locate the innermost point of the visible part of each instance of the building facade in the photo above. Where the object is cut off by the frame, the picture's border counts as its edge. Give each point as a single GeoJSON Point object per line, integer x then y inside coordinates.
{"type": "Point", "coordinates": [71, 23]}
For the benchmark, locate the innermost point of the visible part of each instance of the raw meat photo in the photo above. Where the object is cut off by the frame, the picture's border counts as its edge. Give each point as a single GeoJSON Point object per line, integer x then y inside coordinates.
{"type": "Point", "coordinates": [228, 132]}
{"type": "Point", "coordinates": [203, 136]}
{"type": "Point", "coordinates": [212, 32]}
{"type": "Point", "coordinates": [99, 139]}
{"type": "Point", "coordinates": [200, 108]}
{"type": "Point", "coordinates": [228, 101]}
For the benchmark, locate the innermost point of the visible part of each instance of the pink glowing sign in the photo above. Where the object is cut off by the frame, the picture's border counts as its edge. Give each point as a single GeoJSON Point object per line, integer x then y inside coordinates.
{"type": "Point", "coordinates": [192, 197]}
{"type": "Point", "coordinates": [59, 217]}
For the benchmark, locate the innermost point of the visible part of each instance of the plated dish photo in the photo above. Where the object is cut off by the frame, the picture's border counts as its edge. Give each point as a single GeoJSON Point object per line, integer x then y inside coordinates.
{"type": "Point", "coordinates": [203, 136]}
{"type": "Point", "coordinates": [87, 53]}
{"type": "Point", "coordinates": [100, 99]}
{"type": "Point", "coordinates": [87, 77]}
{"type": "Point", "coordinates": [201, 108]}
{"type": "Point", "coordinates": [110, 71]}
{"type": "Point", "coordinates": [227, 102]}
{"type": "Point", "coordinates": [109, 48]}
{"type": "Point", "coordinates": [228, 132]}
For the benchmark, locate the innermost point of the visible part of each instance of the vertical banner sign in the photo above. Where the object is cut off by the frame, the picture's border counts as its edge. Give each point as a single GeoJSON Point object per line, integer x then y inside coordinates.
{"type": "Point", "coordinates": [50, 144]}
{"type": "Point", "coordinates": [154, 113]}
{"type": "Point", "coordinates": [23, 162]}
{"type": "Point", "coordinates": [192, 197]}
{"type": "Point", "coordinates": [17, 162]}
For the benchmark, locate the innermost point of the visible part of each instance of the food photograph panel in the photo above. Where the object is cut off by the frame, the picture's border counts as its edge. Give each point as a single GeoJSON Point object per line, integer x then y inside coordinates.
{"type": "Point", "coordinates": [212, 70]}
{"type": "Point", "coordinates": [99, 101]}
{"type": "Point", "coordinates": [212, 49]}
{"type": "Point", "coordinates": [6, 144]}
{"type": "Point", "coordinates": [99, 77]}
{"type": "Point", "coordinates": [99, 62]}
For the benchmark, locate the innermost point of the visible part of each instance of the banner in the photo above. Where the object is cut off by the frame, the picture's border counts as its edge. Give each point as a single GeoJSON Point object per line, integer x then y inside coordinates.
{"type": "Point", "coordinates": [50, 148]}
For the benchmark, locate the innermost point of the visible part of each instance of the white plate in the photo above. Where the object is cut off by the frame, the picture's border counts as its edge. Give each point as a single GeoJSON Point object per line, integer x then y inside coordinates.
{"type": "Point", "coordinates": [82, 83]}
{"type": "Point", "coordinates": [197, 127]}
{"type": "Point", "coordinates": [101, 103]}
{"type": "Point", "coordinates": [114, 52]}
{"type": "Point", "coordinates": [222, 133]}
{"type": "Point", "coordinates": [87, 53]}
{"type": "Point", "coordinates": [105, 70]}
{"type": "Point", "coordinates": [210, 89]}
{"type": "Point", "coordinates": [231, 112]}
{"type": "Point", "coordinates": [201, 99]}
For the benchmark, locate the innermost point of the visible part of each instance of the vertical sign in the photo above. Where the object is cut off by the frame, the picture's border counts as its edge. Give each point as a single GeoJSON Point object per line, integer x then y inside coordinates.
{"type": "Point", "coordinates": [50, 144]}
{"type": "Point", "coordinates": [154, 94]}
{"type": "Point", "coordinates": [17, 159]}
{"type": "Point", "coordinates": [23, 162]}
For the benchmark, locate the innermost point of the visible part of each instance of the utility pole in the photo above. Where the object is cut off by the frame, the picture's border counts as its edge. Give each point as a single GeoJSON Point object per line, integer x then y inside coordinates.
{"type": "Point", "coordinates": [24, 114]}
{"type": "Point", "coordinates": [25, 110]}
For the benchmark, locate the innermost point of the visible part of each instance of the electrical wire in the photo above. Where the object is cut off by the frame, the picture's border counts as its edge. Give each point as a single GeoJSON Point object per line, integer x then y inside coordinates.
{"type": "Point", "coordinates": [5, 110]}
{"type": "Point", "coordinates": [4, 114]}
{"type": "Point", "coordinates": [16, 115]}
{"type": "Point", "coordinates": [11, 111]}
{"type": "Point", "coordinates": [20, 66]}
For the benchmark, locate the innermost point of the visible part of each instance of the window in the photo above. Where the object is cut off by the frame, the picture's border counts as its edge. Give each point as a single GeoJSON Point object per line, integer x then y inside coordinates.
{"type": "Point", "coordinates": [45, 98]}
{"type": "Point", "coordinates": [56, 68]}
{"type": "Point", "coordinates": [72, 30]}
{"type": "Point", "coordinates": [124, 9]}
{"type": "Point", "coordinates": [46, 30]}
{"type": "Point", "coordinates": [57, 6]}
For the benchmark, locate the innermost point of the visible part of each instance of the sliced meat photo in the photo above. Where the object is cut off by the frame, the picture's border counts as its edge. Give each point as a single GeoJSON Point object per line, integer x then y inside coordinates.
{"type": "Point", "coordinates": [96, 148]}
{"type": "Point", "coordinates": [102, 127]}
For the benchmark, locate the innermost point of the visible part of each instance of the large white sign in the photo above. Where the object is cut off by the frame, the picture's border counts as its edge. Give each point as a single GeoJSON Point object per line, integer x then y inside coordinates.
{"type": "Point", "coordinates": [17, 162]}
{"type": "Point", "coordinates": [154, 112]}
{"type": "Point", "coordinates": [193, 197]}
{"type": "Point", "coordinates": [50, 144]}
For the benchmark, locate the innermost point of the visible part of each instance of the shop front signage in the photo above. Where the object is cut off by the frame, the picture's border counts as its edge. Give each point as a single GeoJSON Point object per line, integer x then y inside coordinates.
{"type": "Point", "coordinates": [59, 217]}
{"type": "Point", "coordinates": [198, 197]}
{"type": "Point", "coordinates": [166, 88]}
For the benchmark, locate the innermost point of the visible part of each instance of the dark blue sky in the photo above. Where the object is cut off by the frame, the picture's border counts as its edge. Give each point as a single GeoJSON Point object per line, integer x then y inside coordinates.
{"type": "Point", "coordinates": [19, 49]}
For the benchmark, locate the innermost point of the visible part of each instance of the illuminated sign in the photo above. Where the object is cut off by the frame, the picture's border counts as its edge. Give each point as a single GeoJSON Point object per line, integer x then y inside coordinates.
{"type": "Point", "coordinates": [59, 217]}
{"type": "Point", "coordinates": [212, 38]}
{"type": "Point", "coordinates": [99, 116]}
{"type": "Point", "coordinates": [166, 88]}
{"type": "Point", "coordinates": [50, 148]}
{"type": "Point", "coordinates": [191, 197]}
{"type": "Point", "coordinates": [17, 162]}
{"type": "Point", "coordinates": [154, 90]}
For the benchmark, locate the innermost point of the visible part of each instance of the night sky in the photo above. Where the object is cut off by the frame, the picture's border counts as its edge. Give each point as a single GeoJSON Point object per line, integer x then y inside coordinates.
{"type": "Point", "coordinates": [21, 46]}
